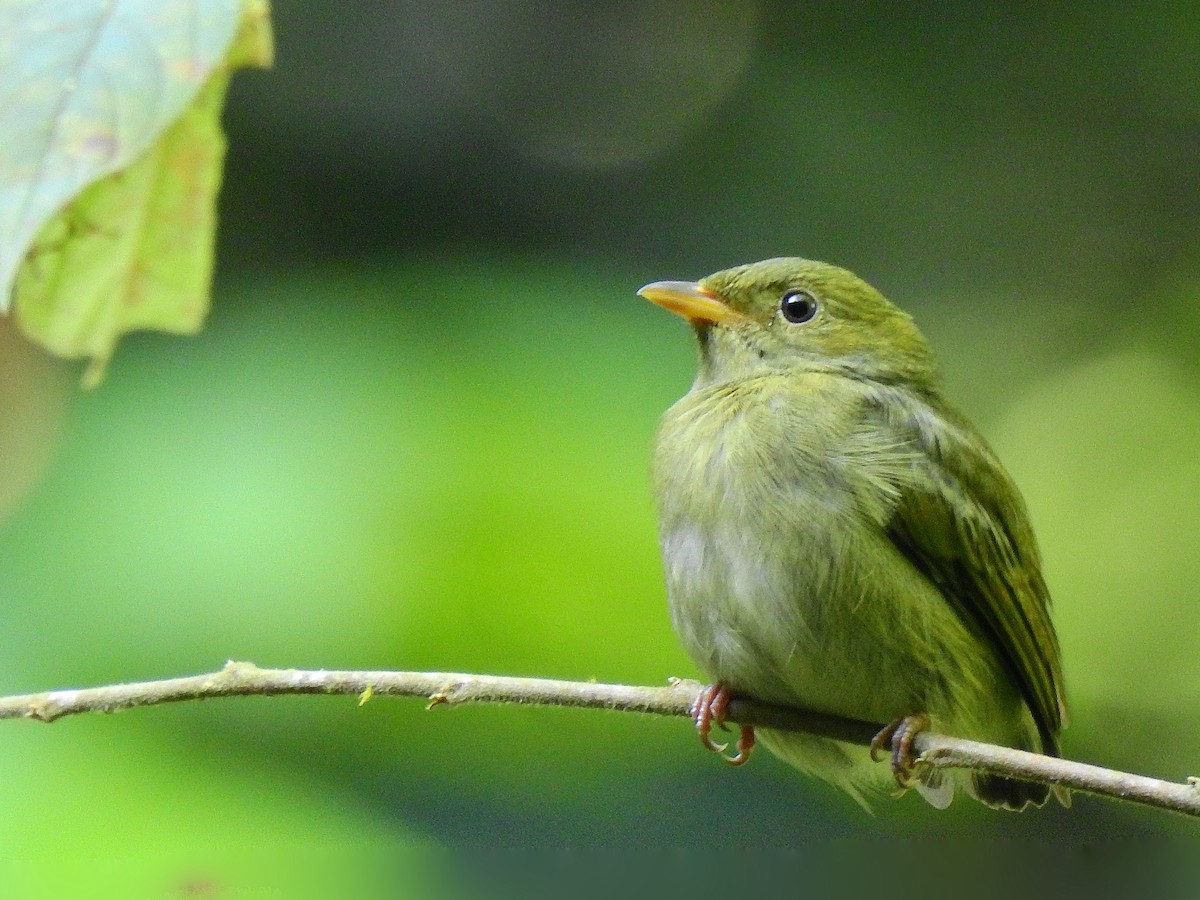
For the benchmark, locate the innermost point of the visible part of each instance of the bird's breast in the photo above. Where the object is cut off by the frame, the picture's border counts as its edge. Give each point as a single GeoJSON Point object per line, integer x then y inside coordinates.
{"type": "Point", "coordinates": [753, 519]}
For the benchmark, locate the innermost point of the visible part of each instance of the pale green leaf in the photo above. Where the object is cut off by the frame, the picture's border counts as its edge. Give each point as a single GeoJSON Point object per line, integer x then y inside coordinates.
{"type": "Point", "coordinates": [112, 161]}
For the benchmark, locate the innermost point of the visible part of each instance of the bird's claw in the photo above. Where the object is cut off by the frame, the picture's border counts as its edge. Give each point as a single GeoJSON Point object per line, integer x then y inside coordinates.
{"type": "Point", "coordinates": [899, 735]}
{"type": "Point", "coordinates": [710, 708]}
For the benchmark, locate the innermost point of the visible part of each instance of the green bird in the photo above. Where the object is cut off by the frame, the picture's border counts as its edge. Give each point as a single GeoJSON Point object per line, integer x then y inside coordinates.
{"type": "Point", "coordinates": [836, 536]}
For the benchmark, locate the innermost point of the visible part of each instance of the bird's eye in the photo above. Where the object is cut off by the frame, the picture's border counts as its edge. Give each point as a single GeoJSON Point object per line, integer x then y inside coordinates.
{"type": "Point", "coordinates": [798, 307]}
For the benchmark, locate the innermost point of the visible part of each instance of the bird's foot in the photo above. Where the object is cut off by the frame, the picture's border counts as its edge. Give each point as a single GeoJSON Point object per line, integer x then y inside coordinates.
{"type": "Point", "coordinates": [710, 708]}
{"type": "Point", "coordinates": [899, 736]}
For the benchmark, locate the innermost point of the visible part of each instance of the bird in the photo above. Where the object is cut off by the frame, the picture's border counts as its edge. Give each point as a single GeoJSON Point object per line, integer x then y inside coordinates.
{"type": "Point", "coordinates": [837, 536]}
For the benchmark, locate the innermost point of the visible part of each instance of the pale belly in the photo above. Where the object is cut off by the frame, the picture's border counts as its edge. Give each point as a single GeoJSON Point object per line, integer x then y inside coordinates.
{"type": "Point", "coordinates": [805, 624]}
{"type": "Point", "coordinates": [815, 634]}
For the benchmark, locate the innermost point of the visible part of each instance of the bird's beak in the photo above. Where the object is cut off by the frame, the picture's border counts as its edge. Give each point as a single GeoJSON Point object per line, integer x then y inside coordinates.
{"type": "Point", "coordinates": [686, 298]}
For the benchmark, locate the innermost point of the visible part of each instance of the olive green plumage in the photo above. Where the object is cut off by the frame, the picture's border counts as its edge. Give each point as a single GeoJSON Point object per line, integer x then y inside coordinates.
{"type": "Point", "coordinates": [837, 536]}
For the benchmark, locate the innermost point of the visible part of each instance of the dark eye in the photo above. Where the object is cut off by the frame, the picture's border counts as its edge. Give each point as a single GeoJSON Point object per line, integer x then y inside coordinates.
{"type": "Point", "coordinates": [798, 307]}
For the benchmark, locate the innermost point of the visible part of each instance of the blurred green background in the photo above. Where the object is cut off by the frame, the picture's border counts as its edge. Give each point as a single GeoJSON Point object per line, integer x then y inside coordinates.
{"type": "Point", "coordinates": [415, 433]}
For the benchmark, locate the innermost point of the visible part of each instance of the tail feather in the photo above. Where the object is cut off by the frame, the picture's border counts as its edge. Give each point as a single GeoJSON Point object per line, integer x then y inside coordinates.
{"type": "Point", "coordinates": [999, 792]}
{"type": "Point", "coordinates": [936, 787]}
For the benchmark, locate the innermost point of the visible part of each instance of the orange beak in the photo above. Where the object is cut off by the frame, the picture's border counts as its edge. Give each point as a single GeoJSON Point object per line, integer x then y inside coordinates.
{"type": "Point", "coordinates": [688, 299]}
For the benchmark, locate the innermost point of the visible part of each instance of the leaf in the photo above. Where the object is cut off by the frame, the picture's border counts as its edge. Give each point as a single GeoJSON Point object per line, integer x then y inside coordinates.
{"type": "Point", "coordinates": [112, 161]}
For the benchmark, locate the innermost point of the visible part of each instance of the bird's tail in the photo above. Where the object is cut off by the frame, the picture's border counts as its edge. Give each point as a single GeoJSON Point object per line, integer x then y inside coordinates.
{"type": "Point", "coordinates": [1000, 792]}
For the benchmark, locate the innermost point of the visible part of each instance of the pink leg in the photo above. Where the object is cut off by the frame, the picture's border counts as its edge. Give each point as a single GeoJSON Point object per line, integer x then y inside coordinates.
{"type": "Point", "coordinates": [710, 709]}
{"type": "Point", "coordinates": [899, 735]}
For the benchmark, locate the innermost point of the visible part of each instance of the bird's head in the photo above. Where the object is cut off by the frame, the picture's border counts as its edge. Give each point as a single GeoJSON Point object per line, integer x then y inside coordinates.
{"type": "Point", "coordinates": [786, 313]}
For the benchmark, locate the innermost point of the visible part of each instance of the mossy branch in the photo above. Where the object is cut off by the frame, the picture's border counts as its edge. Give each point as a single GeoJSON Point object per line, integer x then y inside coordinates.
{"type": "Point", "coordinates": [445, 689]}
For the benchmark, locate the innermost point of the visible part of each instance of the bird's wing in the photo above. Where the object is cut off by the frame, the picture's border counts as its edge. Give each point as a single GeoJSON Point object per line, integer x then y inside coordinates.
{"type": "Point", "coordinates": [963, 524]}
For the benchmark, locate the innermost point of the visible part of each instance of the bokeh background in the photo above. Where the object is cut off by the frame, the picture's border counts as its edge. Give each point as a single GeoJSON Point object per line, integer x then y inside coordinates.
{"type": "Point", "coordinates": [415, 433]}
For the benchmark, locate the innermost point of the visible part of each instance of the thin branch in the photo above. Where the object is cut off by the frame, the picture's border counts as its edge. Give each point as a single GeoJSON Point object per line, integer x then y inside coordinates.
{"type": "Point", "coordinates": [239, 679]}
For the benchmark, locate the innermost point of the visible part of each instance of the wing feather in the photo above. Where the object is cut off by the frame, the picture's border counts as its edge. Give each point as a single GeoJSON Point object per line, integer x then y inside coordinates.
{"type": "Point", "coordinates": [963, 524]}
